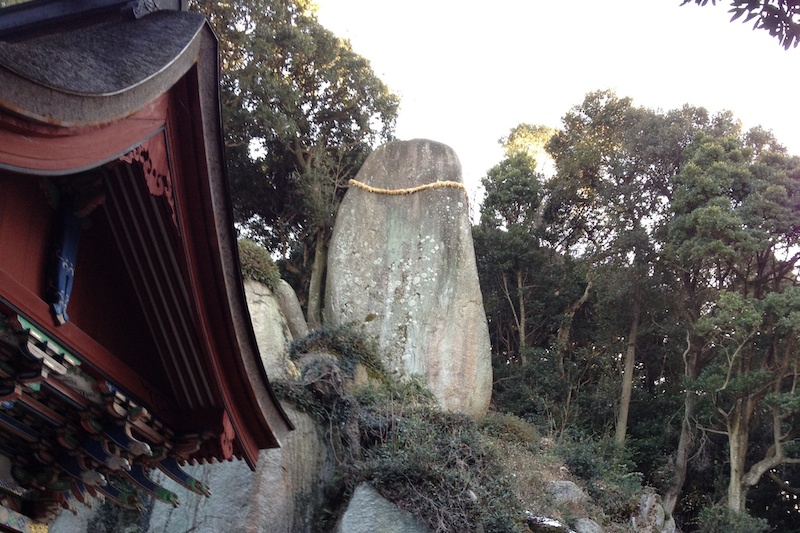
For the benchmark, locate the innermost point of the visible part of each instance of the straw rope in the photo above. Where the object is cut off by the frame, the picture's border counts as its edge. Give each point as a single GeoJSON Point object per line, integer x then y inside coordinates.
{"type": "Point", "coordinates": [411, 190]}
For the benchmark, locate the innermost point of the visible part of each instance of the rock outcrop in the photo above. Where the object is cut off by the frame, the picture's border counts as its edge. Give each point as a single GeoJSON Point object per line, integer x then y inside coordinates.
{"type": "Point", "coordinates": [270, 327]}
{"type": "Point", "coordinates": [282, 495]}
{"type": "Point", "coordinates": [651, 517]}
{"type": "Point", "coordinates": [292, 312]}
{"type": "Point", "coordinates": [369, 512]}
{"type": "Point", "coordinates": [404, 264]}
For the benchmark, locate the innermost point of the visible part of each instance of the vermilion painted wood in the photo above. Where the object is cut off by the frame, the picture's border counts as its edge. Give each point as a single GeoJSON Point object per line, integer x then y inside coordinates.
{"type": "Point", "coordinates": [43, 149]}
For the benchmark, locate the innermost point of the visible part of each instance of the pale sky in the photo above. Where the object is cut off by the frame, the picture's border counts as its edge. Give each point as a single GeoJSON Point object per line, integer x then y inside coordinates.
{"type": "Point", "coordinates": [467, 72]}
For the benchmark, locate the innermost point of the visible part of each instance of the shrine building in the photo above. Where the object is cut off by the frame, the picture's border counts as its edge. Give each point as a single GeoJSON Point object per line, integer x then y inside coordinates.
{"type": "Point", "coordinates": [125, 340]}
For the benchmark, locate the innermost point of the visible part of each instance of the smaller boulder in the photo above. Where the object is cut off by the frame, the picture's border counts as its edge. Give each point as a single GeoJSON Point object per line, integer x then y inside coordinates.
{"type": "Point", "coordinates": [566, 491]}
{"type": "Point", "coordinates": [544, 524]}
{"type": "Point", "coordinates": [369, 512]}
{"type": "Point", "coordinates": [586, 525]}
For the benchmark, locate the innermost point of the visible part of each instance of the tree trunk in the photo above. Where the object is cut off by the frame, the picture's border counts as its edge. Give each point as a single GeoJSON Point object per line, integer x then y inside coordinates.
{"type": "Point", "coordinates": [518, 320]}
{"type": "Point", "coordinates": [523, 335]}
{"type": "Point", "coordinates": [314, 311]}
{"type": "Point", "coordinates": [627, 375]}
{"type": "Point", "coordinates": [682, 454]}
{"type": "Point", "coordinates": [737, 449]}
{"type": "Point", "coordinates": [738, 426]}
{"type": "Point", "coordinates": [565, 329]}
{"type": "Point", "coordinates": [687, 431]}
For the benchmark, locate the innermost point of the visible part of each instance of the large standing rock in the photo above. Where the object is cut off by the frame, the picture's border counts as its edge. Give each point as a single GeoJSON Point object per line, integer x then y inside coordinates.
{"type": "Point", "coordinates": [405, 265]}
{"type": "Point", "coordinates": [369, 512]}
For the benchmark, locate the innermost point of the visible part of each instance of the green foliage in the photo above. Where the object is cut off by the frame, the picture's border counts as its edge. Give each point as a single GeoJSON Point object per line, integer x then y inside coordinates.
{"type": "Point", "coordinates": [410, 393]}
{"type": "Point", "coordinates": [529, 139]}
{"type": "Point", "coordinates": [257, 264]}
{"type": "Point", "coordinates": [513, 193]}
{"type": "Point", "coordinates": [781, 18]}
{"type": "Point", "coordinates": [510, 428]}
{"type": "Point", "coordinates": [607, 472]}
{"type": "Point", "coordinates": [301, 111]}
{"type": "Point", "coordinates": [720, 519]}
{"type": "Point", "coordinates": [297, 394]}
{"type": "Point", "coordinates": [532, 391]}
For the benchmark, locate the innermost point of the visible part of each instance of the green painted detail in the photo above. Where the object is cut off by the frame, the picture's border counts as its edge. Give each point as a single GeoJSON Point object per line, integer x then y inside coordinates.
{"type": "Point", "coordinates": [130, 501]}
{"type": "Point", "coordinates": [199, 487]}
{"type": "Point", "coordinates": [43, 337]}
{"type": "Point", "coordinates": [71, 441]}
{"type": "Point", "coordinates": [167, 496]}
{"type": "Point", "coordinates": [36, 387]}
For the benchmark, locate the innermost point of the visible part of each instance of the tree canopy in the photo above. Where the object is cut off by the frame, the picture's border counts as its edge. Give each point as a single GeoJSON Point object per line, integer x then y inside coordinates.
{"type": "Point", "coordinates": [301, 112]}
{"type": "Point", "coordinates": [781, 18]}
{"type": "Point", "coordinates": [657, 266]}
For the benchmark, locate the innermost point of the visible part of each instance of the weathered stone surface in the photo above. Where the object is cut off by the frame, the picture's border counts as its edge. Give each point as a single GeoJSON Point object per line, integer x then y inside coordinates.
{"type": "Point", "coordinates": [405, 266]}
{"type": "Point", "coordinates": [292, 312]}
{"type": "Point", "coordinates": [566, 491]}
{"type": "Point", "coordinates": [651, 517]}
{"type": "Point", "coordinates": [281, 496]}
{"type": "Point", "coordinates": [270, 327]}
{"type": "Point", "coordinates": [586, 525]}
{"type": "Point", "coordinates": [369, 512]}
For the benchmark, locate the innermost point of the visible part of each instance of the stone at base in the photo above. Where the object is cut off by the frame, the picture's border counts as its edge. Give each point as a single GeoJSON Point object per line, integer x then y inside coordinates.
{"type": "Point", "coordinates": [369, 512]}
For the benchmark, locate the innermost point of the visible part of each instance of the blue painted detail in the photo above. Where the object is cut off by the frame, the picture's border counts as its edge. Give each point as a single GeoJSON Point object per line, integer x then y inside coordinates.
{"type": "Point", "coordinates": [172, 468]}
{"type": "Point", "coordinates": [66, 257]}
{"type": "Point", "coordinates": [138, 475]}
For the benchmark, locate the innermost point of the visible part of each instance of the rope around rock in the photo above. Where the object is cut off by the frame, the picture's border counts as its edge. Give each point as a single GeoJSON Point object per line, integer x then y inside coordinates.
{"type": "Point", "coordinates": [412, 190]}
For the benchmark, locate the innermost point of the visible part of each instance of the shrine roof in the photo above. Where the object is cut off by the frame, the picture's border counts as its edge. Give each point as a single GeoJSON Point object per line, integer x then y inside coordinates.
{"type": "Point", "coordinates": [91, 92]}
{"type": "Point", "coordinates": [105, 59]}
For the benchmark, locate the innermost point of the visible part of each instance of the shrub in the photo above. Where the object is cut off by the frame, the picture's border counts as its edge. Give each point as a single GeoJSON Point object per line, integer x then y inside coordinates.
{"type": "Point", "coordinates": [720, 519]}
{"type": "Point", "coordinates": [510, 428]}
{"type": "Point", "coordinates": [609, 479]}
{"type": "Point", "coordinates": [434, 465]}
{"type": "Point", "coordinates": [391, 434]}
{"type": "Point", "coordinates": [257, 264]}
{"type": "Point", "coordinates": [348, 343]}
{"type": "Point", "coordinates": [396, 394]}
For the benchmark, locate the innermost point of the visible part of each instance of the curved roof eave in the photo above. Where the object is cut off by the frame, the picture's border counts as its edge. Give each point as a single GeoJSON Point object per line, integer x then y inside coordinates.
{"type": "Point", "coordinates": [96, 75]}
